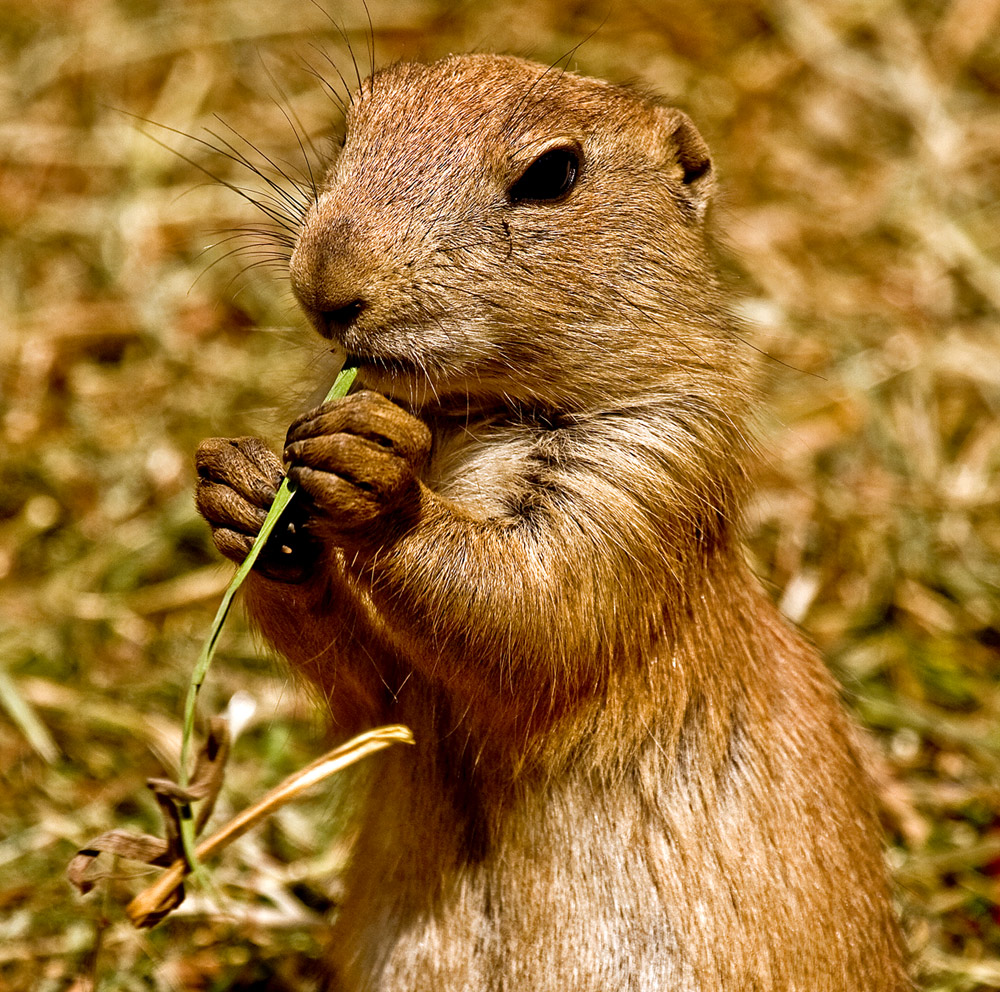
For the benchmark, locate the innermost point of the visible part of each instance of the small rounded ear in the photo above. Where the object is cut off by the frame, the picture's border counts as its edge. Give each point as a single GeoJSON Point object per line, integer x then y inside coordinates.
{"type": "Point", "coordinates": [682, 145]}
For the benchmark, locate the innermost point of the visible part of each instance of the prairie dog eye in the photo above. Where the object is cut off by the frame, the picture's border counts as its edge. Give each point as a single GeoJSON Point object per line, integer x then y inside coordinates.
{"type": "Point", "coordinates": [549, 178]}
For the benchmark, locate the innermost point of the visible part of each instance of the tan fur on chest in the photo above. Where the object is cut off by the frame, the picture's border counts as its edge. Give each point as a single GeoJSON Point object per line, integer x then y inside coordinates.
{"type": "Point", "coordinates": [480, 466]}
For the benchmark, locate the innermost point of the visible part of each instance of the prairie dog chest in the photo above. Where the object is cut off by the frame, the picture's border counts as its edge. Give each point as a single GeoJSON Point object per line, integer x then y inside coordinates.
{"type": "Point", "coordinates": [488, 468]}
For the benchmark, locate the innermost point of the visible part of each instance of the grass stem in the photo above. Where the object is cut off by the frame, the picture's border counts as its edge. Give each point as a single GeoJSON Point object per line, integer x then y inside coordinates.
{"type": "Point", "coordinates": [284, 496]}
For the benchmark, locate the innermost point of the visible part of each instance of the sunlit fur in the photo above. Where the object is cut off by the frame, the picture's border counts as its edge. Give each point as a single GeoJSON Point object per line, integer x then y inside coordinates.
{"type": "Point", "coordinates": [630, 773]}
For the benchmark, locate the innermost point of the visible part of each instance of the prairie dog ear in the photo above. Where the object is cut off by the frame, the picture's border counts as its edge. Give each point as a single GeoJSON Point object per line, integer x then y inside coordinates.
{"type": "Point", "coordinates": [681, 143]}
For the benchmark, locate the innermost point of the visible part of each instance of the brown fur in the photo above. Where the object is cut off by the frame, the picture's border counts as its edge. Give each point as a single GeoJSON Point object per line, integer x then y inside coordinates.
{"type": "Point", "coordinates": [630, 773]}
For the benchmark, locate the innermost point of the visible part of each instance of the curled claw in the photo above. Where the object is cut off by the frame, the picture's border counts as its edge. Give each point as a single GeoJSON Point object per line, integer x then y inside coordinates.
{"type": "Point", "coordinates": [371, 417]}
{"type": "Point", "coordinates": [237, 482]}
{"type": "Point", "coordinates": [356, 462]}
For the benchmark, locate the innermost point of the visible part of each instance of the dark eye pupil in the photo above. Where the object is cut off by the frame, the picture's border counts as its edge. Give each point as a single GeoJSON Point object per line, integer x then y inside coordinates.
{"type": "Point", "coordinates": [549, 177]}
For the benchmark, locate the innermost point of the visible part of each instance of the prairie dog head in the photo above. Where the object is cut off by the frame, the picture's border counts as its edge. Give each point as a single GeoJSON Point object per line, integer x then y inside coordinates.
{"type": "Point", "coordinates": [498, 232]}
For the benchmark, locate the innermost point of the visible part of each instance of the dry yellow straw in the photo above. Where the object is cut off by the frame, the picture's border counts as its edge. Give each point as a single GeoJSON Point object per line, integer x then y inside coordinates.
{"type": "Point", "coordinates": [150, 905]}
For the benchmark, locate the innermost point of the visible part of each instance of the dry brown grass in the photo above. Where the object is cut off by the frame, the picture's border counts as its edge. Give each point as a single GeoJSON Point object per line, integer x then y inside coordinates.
{"type": "Point", "coordinates": [858, 145]}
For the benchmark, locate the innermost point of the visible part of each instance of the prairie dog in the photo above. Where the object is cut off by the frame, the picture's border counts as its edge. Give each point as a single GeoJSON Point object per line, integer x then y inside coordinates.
{"type": "Point", "coordinates": [521, 538]}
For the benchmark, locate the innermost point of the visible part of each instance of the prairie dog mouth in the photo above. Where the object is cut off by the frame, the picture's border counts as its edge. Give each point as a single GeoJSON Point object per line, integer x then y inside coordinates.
{"type": "Point", "coordinates": [384, 363]}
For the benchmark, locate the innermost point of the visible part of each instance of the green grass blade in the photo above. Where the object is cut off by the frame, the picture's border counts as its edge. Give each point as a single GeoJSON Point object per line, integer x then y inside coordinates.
{"type": "Point", "coordinates": [284, 496]}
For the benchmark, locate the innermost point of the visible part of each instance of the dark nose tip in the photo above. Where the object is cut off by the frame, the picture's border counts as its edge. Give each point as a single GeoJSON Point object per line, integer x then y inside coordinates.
{"type": "Point", "coordinates": [334, 319]}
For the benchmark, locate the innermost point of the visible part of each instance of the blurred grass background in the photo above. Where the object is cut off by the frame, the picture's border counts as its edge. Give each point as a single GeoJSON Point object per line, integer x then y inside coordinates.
{"type": "Point", "coordinates": [857, 144]}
